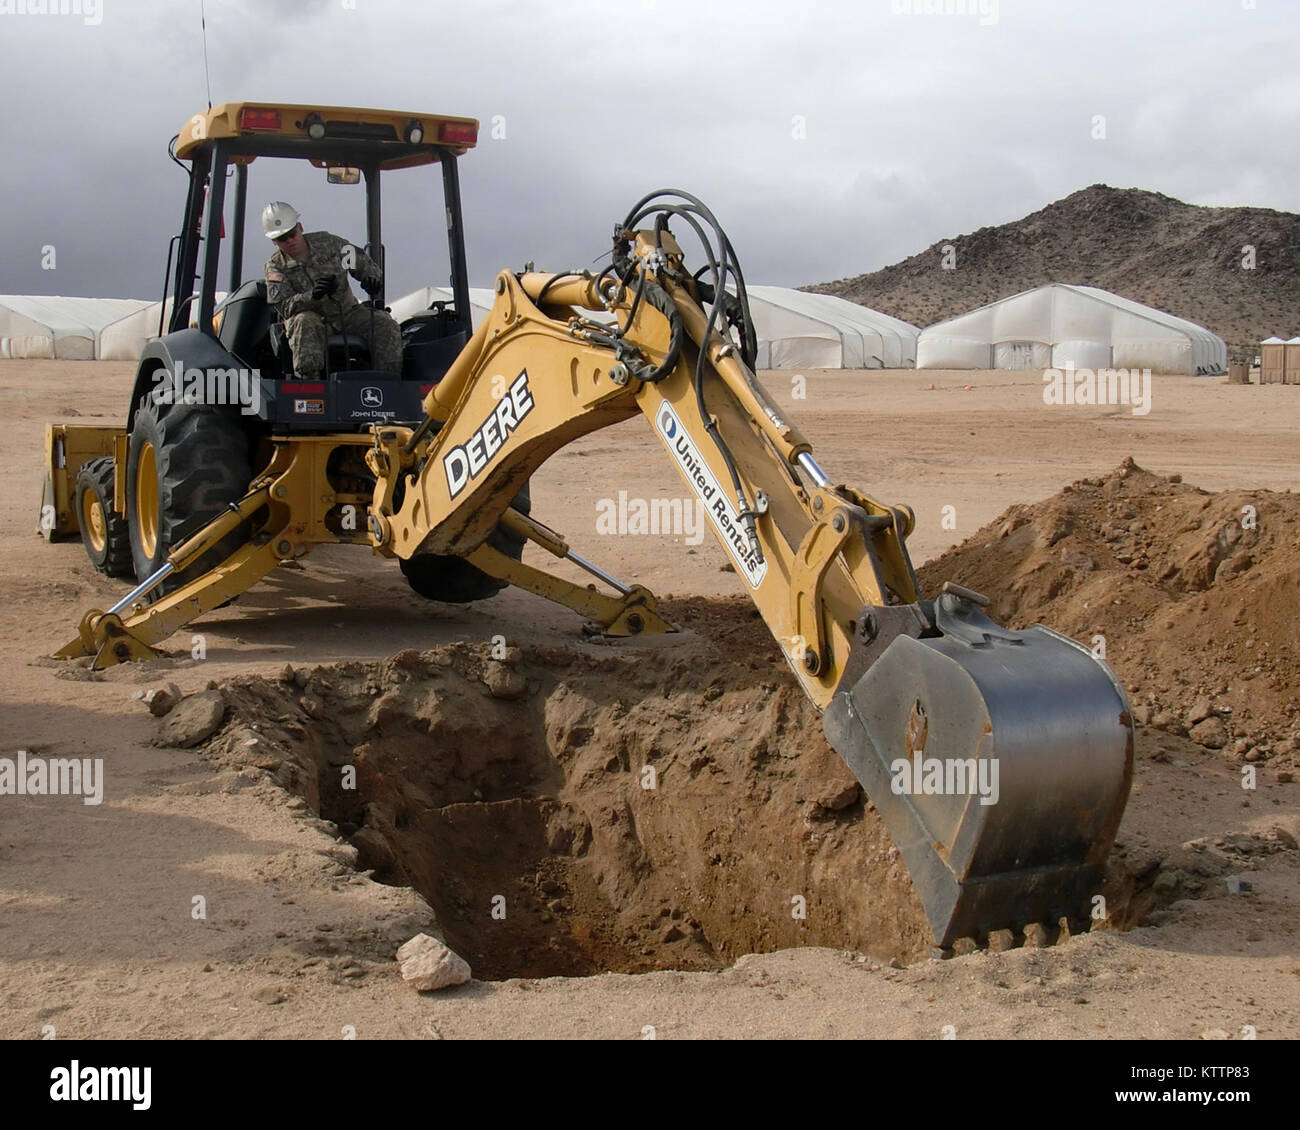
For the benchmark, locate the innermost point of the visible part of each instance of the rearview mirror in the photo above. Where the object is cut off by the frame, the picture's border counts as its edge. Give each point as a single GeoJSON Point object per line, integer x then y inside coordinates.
{"type": "Point", "coordinates": [342, 174]}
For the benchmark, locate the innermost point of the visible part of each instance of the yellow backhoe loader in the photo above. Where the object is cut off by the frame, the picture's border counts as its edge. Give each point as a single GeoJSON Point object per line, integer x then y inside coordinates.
{"type": "Point", "coordinates": [925, 698]}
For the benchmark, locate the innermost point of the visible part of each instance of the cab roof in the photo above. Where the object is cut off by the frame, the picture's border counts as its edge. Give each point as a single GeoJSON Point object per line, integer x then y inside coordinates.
{"type": "Point", "coordinates": [327, 134]}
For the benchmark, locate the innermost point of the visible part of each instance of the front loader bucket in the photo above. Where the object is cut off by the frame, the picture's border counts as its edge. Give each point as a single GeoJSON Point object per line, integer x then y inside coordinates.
{"type": "Point", "coordinates": [1001, 763]}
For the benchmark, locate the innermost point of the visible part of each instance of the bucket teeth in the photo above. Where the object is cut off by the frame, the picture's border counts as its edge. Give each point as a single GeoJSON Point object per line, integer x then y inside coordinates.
{"type": "Point", "coordinates": [1036, 935]}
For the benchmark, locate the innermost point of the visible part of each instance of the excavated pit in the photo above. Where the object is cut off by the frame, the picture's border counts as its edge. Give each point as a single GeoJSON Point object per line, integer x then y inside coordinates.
{"type": "Point", "coordinates": [572, 811]}
{"type": "Point", "coordinates": [520, 778]}
{"type": "Point", "coordinates": [521, 787]}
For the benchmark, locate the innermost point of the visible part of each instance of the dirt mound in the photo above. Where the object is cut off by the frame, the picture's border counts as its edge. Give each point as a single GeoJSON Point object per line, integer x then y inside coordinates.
{"type": "Point", "coordinates": [566, 812]}
{"type": "Point", "coordinates": [1194, 595]}
{"type": "Point", "coordinates": [1178, 257]}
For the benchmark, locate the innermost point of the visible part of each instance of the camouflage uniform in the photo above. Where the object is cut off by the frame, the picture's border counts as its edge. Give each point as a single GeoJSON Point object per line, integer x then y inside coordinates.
{"type": "Point", "coordinates": [307, 320]}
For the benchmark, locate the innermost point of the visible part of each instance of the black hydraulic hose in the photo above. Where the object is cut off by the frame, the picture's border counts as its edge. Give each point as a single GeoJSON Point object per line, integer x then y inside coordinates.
{"type": "Point", "coordinates": [731, 263]}
{"type": "Point", "coordinates": [541, 295]}
{"type": "Point", "coordinates": [662, 301]}
{"type": "Point", "coordinates": [636, 302]}
{"type": "Point", "coordinates": [748, 339]}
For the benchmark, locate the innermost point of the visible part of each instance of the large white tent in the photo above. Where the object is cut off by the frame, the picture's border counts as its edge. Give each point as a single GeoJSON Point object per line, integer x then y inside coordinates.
{"type": "Point", "coordinates": [480, 301]}
{"type": "Point", "coordinates": [1059, 325]}
{"type": "Point", "coordinates": [125, 339]}
{"type": "Point", "coordinates": [797, 329]}
{"type": "Point", "coordinates": [50, 326]}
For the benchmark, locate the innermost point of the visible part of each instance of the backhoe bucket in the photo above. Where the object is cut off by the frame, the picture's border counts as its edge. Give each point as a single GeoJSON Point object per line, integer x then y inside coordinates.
{"type": "Point", "coordinates": [1001, 763]}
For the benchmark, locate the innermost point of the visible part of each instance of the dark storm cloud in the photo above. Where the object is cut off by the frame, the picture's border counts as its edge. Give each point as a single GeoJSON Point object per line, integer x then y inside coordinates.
{"type": "Point", "coordinates": [829, 138]}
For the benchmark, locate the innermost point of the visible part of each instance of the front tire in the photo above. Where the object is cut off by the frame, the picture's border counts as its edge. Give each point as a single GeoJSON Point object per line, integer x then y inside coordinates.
{"type": "Point", "coordinates": [185, 465]}
{"type": "Point", "coordinates": [454, 580]}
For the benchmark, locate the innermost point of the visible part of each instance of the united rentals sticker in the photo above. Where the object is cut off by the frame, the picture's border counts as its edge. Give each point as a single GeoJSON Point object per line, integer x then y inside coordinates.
{"type": "Point", "coordinates": [716, 503]}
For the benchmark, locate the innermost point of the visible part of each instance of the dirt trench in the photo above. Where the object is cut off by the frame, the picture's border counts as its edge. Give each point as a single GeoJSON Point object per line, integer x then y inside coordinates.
{"type": "Point", "coordinates": [566, 812]}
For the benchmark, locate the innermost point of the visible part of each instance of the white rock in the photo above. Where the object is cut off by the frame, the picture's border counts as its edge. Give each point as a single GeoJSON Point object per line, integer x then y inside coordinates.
{"type": "Point", "coordinates": [429, 965]}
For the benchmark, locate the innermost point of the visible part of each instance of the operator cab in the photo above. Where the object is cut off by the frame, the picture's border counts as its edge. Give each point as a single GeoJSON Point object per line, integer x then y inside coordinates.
{"type": "Point", "coordinates": [351, 146]}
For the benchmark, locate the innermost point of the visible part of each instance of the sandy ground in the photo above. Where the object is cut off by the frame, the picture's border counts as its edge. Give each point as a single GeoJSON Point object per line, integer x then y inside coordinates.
{"type": "Point", "coordinates": [97, 932]}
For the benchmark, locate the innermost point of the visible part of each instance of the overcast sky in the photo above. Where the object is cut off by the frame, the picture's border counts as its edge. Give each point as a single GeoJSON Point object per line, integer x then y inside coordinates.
{"type": "Point", "coordinates": [830, 137]}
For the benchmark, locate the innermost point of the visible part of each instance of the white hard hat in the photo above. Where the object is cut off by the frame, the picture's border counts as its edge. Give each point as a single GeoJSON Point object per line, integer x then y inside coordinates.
{"type": "Point", "coordinates": [279, 218]}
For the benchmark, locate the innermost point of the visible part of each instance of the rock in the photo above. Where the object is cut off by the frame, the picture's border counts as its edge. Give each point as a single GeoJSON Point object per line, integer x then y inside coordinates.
{"type": "Point", "coordinates": [837, 799]}
{"type": "Point", "coordinates": [193, 720]}
{"type": "Point", "coordinates": [504, 682]}
{"type": "Point", "coordinates": [1168, 721]}
{"type": "Point", "coordinates": [1167, 880]}
{"type": "Point", "coordinates": [1238, 885]}
{"type": "Point", "coordinates": [428, 965]}
{"type": "Point", "coordinates": [1201, 709]}
{"type": "Point", "coordinates": [1240, 747]}
{"type": "Point", "coordinates": [513, 656]}
{"type": "Point", "coordinates": [269, 995]}
{"type": "Point", "coordinates": [1142, 714]}
{"type": "Point", "coordinates": [963, 946]}
{"type": "Point", "coordinates": [1001, 940]}
{"type": "Point", "coordinates": [1035, 936]}
{"type": "Point", "coordinates": [1285, 778]}
{"type": "Point", "coordinates": [287, 674]}
{"type": "Point", "coordinates": [161, 700]}
{"type": "Point", "coordinates": [1286, 745]}
{"type": "Point", "coordinates": [726, 567]}
{"type": "Point", "coordinates": [1064, 935]}
{"type": "Point", "coordinates": [1211, 733]}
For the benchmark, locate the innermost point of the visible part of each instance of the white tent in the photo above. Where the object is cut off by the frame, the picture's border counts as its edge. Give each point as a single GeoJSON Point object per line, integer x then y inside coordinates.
{"type": "Point", "coordinates": [1059, 325]}
{"type": "Point", "coordinates": [54, 327]}
{"type": "Point", "coordinates": [480, 301]}
{"type": "Point", "coordinates": [126, 338]}
{"type": "Point", "coordinates": [868, 339]}
{"type": "Point", "coordinates": [795, 329]}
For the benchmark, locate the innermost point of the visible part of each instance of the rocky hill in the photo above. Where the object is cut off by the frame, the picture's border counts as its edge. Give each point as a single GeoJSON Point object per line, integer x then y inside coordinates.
{"type": "Point", "coordinates": [1182, 258]}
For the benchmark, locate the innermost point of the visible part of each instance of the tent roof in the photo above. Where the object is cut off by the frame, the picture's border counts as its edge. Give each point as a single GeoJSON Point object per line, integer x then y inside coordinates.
{"type": "Point", "coordinates": [86, 316]}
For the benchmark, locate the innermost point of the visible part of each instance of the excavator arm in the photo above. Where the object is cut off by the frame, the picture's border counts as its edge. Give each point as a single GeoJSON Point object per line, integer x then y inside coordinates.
{"type": "Point", "coordinates": [999, 760]}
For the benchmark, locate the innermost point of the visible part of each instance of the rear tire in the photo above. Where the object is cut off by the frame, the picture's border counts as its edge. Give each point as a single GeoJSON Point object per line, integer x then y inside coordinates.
{"type": "Point", "coordinates": [185, 465]}
{"type": "Point", "coordinates": [453, 580]}
{"type": "Point", "coordinates": [104, 532]}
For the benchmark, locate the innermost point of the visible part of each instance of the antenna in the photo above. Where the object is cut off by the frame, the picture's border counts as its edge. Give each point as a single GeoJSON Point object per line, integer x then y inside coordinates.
{"type": "Point", "coordinates": [207, 75]}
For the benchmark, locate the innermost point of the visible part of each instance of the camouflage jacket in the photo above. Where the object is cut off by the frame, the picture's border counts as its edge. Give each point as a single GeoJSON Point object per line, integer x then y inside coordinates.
{"type": "Point", "coordinates": [289, 281]}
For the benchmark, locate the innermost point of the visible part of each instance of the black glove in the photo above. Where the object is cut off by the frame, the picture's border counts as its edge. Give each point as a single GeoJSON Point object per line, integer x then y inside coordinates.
{"type": "Point", "coordinates": [323, 287]}
{"type": "Point", "coordinates": [371, 286]}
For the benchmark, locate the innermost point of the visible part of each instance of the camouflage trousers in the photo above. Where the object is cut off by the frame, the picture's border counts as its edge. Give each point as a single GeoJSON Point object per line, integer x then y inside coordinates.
{"type": "Point", "coordinates": [307, 333]}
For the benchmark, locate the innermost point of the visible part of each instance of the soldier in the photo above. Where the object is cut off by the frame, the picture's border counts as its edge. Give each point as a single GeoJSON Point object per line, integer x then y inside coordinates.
{"type": "Point", "coordinates": [307, 284]}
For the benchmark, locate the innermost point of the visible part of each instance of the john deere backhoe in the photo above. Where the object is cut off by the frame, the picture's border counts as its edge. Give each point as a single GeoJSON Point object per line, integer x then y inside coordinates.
{"type": "Point", "coordinates": [923, 691]}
